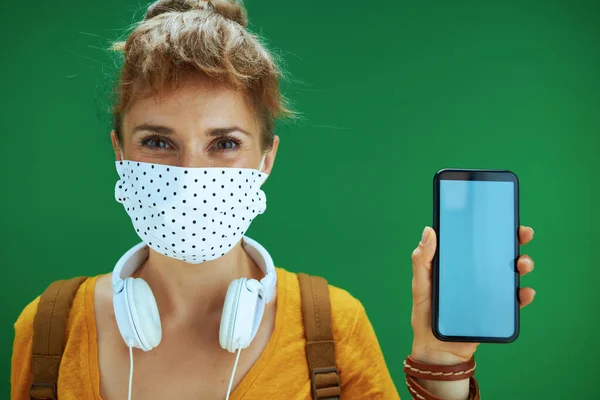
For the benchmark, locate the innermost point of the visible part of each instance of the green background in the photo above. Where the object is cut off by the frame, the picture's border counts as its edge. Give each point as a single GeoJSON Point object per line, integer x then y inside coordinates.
{"type": "Point", "coordinates": [390, 92]}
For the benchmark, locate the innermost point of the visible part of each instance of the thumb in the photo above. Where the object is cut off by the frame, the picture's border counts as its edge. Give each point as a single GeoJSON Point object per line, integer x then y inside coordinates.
{"type": "Point", "coordinates": [422, 258]}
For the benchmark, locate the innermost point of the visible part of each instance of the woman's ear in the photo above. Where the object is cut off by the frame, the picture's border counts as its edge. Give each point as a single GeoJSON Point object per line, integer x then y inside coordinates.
{"type": "Point", "coordinates": [115, 145]}
{"type": "Point", "coordinates": [270, 156]}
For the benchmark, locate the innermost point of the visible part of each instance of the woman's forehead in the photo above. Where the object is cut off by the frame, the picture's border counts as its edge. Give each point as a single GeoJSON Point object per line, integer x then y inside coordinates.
{"type": "Point", "coordinates": [197, 103]}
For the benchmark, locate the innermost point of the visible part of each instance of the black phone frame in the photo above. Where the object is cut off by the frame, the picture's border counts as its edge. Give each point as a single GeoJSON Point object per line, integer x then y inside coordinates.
{"type": "Point", "coordinates": [473, 175]}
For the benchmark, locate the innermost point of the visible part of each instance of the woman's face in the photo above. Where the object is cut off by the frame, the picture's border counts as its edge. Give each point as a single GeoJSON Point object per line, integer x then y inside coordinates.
{"type": "Point", "coordinates": [201, 124]}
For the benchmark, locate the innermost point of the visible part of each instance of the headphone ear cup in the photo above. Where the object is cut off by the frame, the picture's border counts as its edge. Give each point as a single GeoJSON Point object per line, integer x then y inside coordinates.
{"type": "Point", "coordinates": [123, 316]}
{"type": "Point", "coordinates": [144, 313]}
{"type": "Point", "coordinates": [229, 316]}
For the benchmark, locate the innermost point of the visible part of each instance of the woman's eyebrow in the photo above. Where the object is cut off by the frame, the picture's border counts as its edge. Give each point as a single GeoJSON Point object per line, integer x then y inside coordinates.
{"type": "Point", "coordinates": [163, 130]}
{"type": "Point", "coordinates": [216, 132]}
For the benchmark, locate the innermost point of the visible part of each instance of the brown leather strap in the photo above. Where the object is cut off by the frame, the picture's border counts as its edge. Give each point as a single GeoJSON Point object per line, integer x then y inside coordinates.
{"type": "Point", "coordinates": [416, 370]}
{"type": "Point", "coordinates": [418, 392]}
{"type": "Point", "coordinates": [49, 325]}
{"type": "Point", "coordinates": [320, 349]}
{"type": "Point", "coordinates": [454, 372]}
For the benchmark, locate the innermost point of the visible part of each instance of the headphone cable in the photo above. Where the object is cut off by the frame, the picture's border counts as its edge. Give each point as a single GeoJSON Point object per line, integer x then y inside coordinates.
{"type": "Point", "coordinates": [237, 359]}
{"type": "Point", "coordinates": [130, 370]}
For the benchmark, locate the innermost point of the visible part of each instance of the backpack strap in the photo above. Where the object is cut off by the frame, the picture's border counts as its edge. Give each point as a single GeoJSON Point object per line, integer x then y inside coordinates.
{"type": "Point", "coordinates": [49, 326]}
{"type": "Point", "coordinates": [320, 350]}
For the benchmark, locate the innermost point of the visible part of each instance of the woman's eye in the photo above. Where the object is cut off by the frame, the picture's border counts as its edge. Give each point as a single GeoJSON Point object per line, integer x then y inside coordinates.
{"type": "Point", "coordinates": [226, 144]}
{"type": "Point", "coordinates": [156, 143]}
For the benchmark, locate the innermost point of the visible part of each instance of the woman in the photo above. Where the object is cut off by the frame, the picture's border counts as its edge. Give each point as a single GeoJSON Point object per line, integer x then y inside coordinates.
{"type": "Point", "coordinates": [193, 141]}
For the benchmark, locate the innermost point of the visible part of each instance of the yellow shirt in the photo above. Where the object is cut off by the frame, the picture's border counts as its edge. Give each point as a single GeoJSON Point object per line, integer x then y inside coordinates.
{"type": "Point", "coordinates": [363, 371]}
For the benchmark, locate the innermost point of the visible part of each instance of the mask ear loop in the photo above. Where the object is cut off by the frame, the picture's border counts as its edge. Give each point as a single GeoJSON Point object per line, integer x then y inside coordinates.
{"type": "Point", "coordinates": [237, 359]}
{"type": "Point", "coordinates": [262, 162]}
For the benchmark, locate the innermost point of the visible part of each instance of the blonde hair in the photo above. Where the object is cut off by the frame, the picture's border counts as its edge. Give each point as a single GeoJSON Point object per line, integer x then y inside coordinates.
{"type": "Point", "coordinates": [182, 37]}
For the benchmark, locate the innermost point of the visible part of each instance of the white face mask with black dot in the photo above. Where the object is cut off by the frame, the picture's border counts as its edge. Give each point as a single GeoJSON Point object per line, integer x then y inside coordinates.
{"type": "Point", "coordinates": [191, 214]}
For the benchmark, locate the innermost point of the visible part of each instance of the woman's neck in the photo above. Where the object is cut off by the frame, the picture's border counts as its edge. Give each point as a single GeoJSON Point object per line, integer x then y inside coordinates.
{"type": "Point", "coordinates": [190, 292]}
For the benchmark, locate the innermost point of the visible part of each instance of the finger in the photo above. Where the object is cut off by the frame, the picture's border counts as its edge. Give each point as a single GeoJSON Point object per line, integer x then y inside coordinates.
{"type": "Point", "coordinates": [526, 296]}
{"type": "Point", "coordinates": [525, 265]}
{"type": "Point", "coordinates": [525, 234]}
{"type": "Point", "coordinates": [422, 258]}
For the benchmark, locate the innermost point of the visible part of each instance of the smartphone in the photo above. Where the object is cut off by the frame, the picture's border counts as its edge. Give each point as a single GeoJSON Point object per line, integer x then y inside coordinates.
{"type": "Point", "coordinates": [475, 276]}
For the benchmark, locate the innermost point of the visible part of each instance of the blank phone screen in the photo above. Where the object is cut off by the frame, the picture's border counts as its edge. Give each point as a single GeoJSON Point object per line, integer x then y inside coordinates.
{"type": "Point", "coordinates": [477, 278]}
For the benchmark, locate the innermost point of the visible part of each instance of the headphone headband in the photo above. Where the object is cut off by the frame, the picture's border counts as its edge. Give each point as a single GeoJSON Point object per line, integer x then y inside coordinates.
{"type": "Point", "coordinates": [135, 257]}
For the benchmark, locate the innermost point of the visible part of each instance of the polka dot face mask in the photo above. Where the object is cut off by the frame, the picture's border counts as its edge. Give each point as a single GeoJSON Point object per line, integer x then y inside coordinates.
{"type": "Point", "coordinates": [191, 214]}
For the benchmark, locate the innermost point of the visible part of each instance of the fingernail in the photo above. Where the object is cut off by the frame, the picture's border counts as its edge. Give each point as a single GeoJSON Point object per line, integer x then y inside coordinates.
{"type": "Point", "coordinates": [529, 262]}
{"type": "Point", "coordinates": [532, 231]}
{"type": "Point", "coordinates": [425, 236]}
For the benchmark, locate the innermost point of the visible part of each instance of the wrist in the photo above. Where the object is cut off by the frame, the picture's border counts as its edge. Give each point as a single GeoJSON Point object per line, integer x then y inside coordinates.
{"type": "Point", "coordinates": [438, 357]}
{"type": "Point", "coordinates": [447, 390]}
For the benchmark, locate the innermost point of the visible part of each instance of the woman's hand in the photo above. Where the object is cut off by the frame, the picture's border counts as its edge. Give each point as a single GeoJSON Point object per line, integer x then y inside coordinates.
{"type": "Point", "coordinates": [426, 347]}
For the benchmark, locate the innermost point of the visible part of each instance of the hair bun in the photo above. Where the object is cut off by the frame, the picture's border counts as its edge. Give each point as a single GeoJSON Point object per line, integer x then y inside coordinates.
{"type": "Point", "coordinates": [231, 9]}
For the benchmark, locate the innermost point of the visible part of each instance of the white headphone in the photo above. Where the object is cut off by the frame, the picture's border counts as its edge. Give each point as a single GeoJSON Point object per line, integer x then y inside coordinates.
{"type": "Point", "coordinates": [137, 314]}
